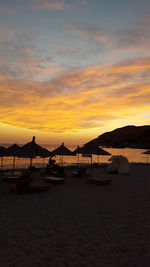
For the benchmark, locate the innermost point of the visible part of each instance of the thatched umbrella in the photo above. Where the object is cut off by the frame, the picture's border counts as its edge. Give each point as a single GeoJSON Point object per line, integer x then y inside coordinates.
{"type": "Point", "coordinates": [46, 154]}
{"type": "Point", "coordinates": [2, 154]}
{"type": "Point", "coordinates": [62, 151]}
{"type": "Point", "coordinates": [77, 151]}
{"type": "Point", "coordinates": [32, 150]}
{"type": "Point", "coordinates": [147, 153]}
{"type": "Point", "coordinates": [93, 149]}
{"type": "Point", "coordinates": [13, 151]}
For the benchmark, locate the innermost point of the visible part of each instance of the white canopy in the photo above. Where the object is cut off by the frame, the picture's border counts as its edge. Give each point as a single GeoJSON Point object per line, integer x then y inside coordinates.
{"type": "Point", "coordinates": [119, 164]}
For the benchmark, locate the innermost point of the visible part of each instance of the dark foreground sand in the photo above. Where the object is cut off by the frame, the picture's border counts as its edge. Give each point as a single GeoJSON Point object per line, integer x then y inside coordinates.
{"type": "Point", "coordinates": [79, 224]}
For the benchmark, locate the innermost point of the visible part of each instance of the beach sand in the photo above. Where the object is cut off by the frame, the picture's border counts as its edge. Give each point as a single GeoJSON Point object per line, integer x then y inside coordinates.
{"type": "Point", "coordinates": [79, 224]}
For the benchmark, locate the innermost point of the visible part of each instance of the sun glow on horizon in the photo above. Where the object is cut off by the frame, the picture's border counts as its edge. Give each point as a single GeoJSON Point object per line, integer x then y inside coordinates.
{"type": "Point", "coordinates": [74, 80]}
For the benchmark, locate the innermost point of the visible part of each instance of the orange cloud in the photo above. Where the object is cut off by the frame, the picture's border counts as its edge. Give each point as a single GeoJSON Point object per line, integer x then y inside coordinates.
{"type": "Point", "coordinates": [78, 98]}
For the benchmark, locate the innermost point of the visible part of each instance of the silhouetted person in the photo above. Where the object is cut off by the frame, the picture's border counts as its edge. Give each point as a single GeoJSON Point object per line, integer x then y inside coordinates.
{"type": "Point", "coordinates": [51, 162]}
{"type": "Point", "coordinates": [50, 167]}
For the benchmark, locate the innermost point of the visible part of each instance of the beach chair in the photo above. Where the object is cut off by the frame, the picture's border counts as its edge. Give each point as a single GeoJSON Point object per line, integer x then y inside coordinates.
{"type": "Point", "coordinates": [10, 179]}
{"type": "Point", "coordinates": [38, 187]}
{"type": "Point", "coordinates": [31, 188]}
{"type": "Point", "coordinates": [54, 180]}
{"type": "Point", "coordinates": [56, 170]}
{"type": "Point", "coordinates": [25, 185]}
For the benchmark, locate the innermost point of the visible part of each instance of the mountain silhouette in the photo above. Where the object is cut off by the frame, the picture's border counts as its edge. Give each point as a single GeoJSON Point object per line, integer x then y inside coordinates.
{"type": "Point", "coordinates": [127, 136]}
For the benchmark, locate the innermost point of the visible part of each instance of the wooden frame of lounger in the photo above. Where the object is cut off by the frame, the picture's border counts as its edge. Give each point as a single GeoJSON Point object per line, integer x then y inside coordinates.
{"type": "Point", "coordinates": [33, 187]}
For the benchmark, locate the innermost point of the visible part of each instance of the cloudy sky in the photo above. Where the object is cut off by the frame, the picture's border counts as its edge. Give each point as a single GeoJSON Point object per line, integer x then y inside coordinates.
{"type": "Point", "coordinates": [71, 70]}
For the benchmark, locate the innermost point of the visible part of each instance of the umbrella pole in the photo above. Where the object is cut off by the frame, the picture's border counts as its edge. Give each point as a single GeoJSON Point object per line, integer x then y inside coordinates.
{"type": "Point", "coordinates": [62, 160]}
{"type": "Point", "coordinates": [91, 166]}
{"type": "Point", "coordinates": [78, 160]}
{"type": "Point", "coordinates": [13, 165]}
{"type": "Point", "coordinates": [30, 162]}
{"type": "Point", "coordinates": [1, 162]}
{"type": "Point", "coordinates": [43, 163]}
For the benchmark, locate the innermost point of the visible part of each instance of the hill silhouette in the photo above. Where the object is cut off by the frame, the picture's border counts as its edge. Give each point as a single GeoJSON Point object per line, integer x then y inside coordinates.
{"type": "Point", "coordinates": [128, 136]}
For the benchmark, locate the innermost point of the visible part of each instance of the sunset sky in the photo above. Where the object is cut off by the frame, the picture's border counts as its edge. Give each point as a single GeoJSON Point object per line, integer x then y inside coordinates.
{"type": "Point", "coordinates": [71, 70]}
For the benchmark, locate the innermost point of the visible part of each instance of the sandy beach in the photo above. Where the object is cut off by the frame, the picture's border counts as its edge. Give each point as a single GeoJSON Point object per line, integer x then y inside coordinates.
{"type": "Point", "coordinates": [79, 224]}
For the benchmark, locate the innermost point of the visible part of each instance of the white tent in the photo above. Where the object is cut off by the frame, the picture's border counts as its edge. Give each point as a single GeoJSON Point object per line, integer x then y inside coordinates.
{"type": "Point", "coordinates": [119, 164]}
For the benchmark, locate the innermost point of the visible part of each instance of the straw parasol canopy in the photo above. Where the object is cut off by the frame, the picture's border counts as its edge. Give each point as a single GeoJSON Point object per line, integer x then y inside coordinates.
{"type": "Point", "coordinates": [147, 153]}
{"type": "Point", "coordinates": [62, 151]}
{"type": "Point", "coordinates": [45, 154]}
{"type": "Point", "coordinates": [13, 151]}
{"type": "Point", "coordinates": [93, 149]}
{"type": "Point", "coordinates": [2, 154]}
{"type": "Point", "coordinates": [78, 151]}
{"type": "Point", "coordinates": [32, 150]}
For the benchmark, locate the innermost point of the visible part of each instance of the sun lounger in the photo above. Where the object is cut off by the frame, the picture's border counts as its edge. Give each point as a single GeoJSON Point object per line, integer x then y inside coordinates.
{"type": "Point", "coordinates": [38, 187]}
{"type": "Point", "coordinates": [33, 187]}
{"type": "Point", "coordinates": [99, 181]}
{"type": "Point", "coordinates": [54, 180]}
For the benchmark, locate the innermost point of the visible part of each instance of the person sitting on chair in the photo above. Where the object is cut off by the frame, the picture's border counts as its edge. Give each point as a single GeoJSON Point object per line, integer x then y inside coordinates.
{"type": "Point", "coordinates": [50, 166]}
{"type": "Point", "coordinates": [51, 162]}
